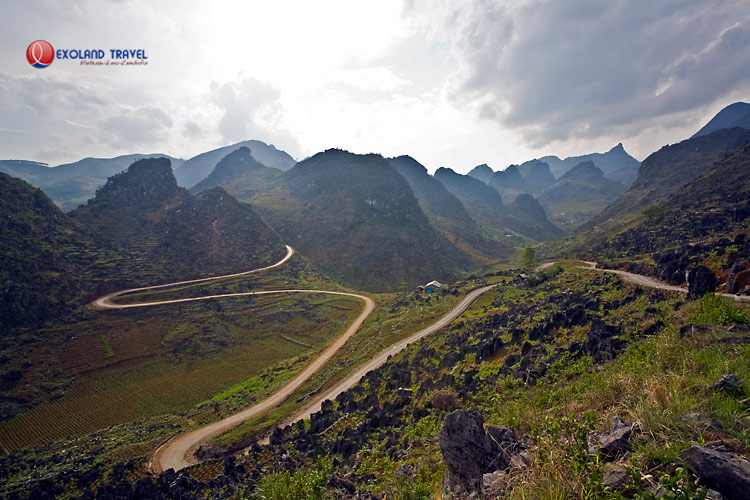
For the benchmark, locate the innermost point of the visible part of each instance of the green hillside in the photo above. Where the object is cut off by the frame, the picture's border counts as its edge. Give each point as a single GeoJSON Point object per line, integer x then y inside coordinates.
{"type": "Point", "coordinates": [446, 212]}
{"type": "Point", "coordinates": [49, 264]}
{"type": "Point", "coordinates": [666, 171]}
{"type": "Point", "coordinates": [579, 195]}
{"type": "Point", "coordinates": [173, 234]}
{"type": "Point", "coordinates": [357, 217]}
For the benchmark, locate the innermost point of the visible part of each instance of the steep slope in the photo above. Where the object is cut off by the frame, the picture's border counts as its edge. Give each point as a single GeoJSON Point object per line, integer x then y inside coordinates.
{"type": "Point", "coordinates": [357, 217]}
{"type": "Point", "coordinates": [536, 225]}
{"type": "Point", "coordinates": [582, 193]}
{"type": "Point", "coordinates": [508, 183]}
{"type": "Point", "coordinates": [536, 176]}
{"type": "Point", "coordinates": [482, 172]}
{"type": "Point", "coordinates": [240, 175]}
{"type": "Point", "coordinates": [480, 200]}
{"type": "Point", "coordinates": [198, 167]}
{"type": "Point", "coordinates": [173, 234]}
{"type": "Point", "coordinates": [48, 264]}
{"type": "Point", "coordinates": [706, 222]}
{"type": "Point", "coordinates": [485, 205]}
{"type": "Point", "coordinates": [446, 211]}
{"type": "Point", "coordinates": [616, 164]}
{"type": "Point", "coordinates": [734, 115]}
{"type": "Point", "coordinates": [71, 184]}
{"type": "Point", "coordinates": [666, 171]}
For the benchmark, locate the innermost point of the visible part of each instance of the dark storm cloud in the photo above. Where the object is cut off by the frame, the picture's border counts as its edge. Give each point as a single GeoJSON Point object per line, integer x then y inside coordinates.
{"type": "Point", "coordinates": [557, 70]}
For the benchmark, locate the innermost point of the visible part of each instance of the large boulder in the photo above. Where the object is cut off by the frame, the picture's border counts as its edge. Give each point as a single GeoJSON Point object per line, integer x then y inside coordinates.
{"type": "Point", "coordinates": [469, 451]}
{"type": "Point", "coordinates": [617, 441]}
{"type": "Point", "coordinates": [701, 280]}
{"type": "Point", "coordinates": [721, 470]}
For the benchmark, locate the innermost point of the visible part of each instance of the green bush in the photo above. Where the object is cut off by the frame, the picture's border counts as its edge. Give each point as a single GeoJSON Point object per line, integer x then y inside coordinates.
{"type": "Point", "coordinates": [302, 485]}
{"type": "Point", "coordinates": [714, 310]}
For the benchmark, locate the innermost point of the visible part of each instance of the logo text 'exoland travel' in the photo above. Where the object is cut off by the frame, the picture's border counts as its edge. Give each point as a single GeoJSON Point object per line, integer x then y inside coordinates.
{"type": "Point", "coordinates": [40, 54]}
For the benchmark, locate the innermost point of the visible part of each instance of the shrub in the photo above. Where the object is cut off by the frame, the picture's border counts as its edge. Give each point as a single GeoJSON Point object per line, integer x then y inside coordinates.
{"type": "Point", "coordinates": [714, 310]}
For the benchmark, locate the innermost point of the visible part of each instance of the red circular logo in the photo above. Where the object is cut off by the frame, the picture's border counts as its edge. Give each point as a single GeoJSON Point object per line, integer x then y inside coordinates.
{"type": "Point", "coordinates": [40, 54]}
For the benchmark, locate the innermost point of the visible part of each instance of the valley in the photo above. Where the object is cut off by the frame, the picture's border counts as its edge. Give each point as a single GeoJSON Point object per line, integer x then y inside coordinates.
{"type": "Point", "coordinates": [243, 325]}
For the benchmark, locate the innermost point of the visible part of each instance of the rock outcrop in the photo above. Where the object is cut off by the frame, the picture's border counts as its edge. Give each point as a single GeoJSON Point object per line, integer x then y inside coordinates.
{"type": "Point", "coordinates": [701, 280]}
{"type": "Point", "coordinates": [721, 470]}
{"type": "Point", "coordinates": [469, 451]}
{"type": "Point", "coordinates": [617, 441]}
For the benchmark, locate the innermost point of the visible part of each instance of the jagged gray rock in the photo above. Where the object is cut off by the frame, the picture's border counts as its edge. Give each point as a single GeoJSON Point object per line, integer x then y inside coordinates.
{"type": "Point", "coordinates": [721, 470]}
{"type": "Point", "coordinates": [617, 441]}
{"type": "Point", "coordinates": [615, 478]}
{"type": "Point", "coordinates": [469, 452]}
{"type": "Point", "coordinates": [701, 280]}
{"type": "Point", "coordinates": [728, 383]}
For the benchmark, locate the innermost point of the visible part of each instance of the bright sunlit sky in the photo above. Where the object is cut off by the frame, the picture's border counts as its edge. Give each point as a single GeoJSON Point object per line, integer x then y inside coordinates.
{"type": "Point", "coordinates": [450, 83]}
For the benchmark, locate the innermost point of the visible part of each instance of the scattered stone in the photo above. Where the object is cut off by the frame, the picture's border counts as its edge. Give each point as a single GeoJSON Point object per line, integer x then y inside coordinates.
{"type": "Point", "coordinates": [616, 478]}
{"type": "Point", "coordinates": [721, 470]}
{"type": "Point", "coordinates": [714, 495]}
{"type": "Point", "coordinates": [729, 383]}
{"type": "Point", "coordinates": [407, 471]}
{"type": "Point", "coordinates": [445, 400]}
{"type": "Point", "coordinates": [701, 280]}
{"type": "Point", "coordinates": [343, 484]}
{"type": "Point", "coordinates": [469, 452]}
{"type": "Point", "coordinates": [493, 479]}
{"type": "Point", "coordinates": [617, 441]}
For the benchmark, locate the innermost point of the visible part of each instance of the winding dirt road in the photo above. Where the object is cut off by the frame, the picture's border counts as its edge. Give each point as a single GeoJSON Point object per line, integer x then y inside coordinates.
{"type": "Point", "coordinates": [178, 452]}
{"type": "Point", "coordinates": [353, 378]}
{"type": "Point", "coordinates": [105, 302]}
{"type": "Point", "coordinates": [639, 279]}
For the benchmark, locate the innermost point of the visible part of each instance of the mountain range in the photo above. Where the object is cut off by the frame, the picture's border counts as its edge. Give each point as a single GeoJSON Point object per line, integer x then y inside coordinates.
{"type": "Point", "coordinates": [141, 228]}
{"type": "Point", "coordinates": [591, 385]}
{"type": "Point", "coordinates": [72, 184]}
{"type": "Point", "coordinates": [198, 167]}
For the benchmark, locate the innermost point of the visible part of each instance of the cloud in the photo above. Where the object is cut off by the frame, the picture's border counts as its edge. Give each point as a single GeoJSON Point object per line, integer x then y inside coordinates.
{"type": "Point", "coordinates": [251, 109]}
{"type": "Point", "coordinates": [580, 69]}
{"type": "Point", "coordinates": [136, 127]}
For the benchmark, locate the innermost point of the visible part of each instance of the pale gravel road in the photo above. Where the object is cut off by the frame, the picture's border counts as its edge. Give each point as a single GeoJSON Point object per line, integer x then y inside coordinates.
{"type": "Point", "coordinates": [178, 452]}
{"type": "Point", "coordinates": [353, 378]}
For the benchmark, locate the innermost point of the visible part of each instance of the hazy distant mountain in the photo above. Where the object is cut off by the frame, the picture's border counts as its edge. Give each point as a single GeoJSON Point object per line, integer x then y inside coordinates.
{"type": "Point", "coordinates": [616, 164]}
{"type": "Point", "coordinates": [536, 225]}
{"type": "Point", "coordinates": [175, 234]}
{"type": "Point", "coordinates": [485, 205]}
{"type": "Point", "coordinates": [482, 172]}
{"type": "Point", "coordinates": [508, 183]}
{"type": "Point", "coordinates": [478, 198]}
{"type": "Point", "coordinates": [666, 171]}
{"type": "Point", "coordinates": [72, 184]}
{"type": "Point", "coordinates": [536, 176]}
{"type": "Point", "coordinates": [240, 175]}
{"type": "Point", "coordinates": [198, 167]}
{"type": "Point", "coordinates": [580, 194]}
{"type": "Point", "coordinates": [734, 115]}
{"type": "Point", "coordinates": [445, 210]}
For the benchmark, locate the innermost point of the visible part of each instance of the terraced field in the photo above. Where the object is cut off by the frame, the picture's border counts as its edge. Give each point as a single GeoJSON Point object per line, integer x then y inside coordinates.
{"type": "Point", "coordinates": [130, 366]}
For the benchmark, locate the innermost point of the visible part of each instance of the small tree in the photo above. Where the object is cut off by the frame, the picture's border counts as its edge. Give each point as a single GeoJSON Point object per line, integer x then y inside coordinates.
{"type": "Point", "coordinates": [528, 257]}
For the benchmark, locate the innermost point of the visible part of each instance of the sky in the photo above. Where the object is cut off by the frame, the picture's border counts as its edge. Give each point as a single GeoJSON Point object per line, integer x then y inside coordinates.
{"type": "Point", "coordinates": [450, 83]}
